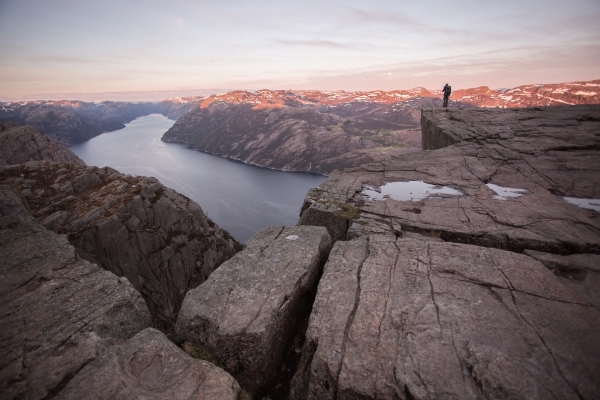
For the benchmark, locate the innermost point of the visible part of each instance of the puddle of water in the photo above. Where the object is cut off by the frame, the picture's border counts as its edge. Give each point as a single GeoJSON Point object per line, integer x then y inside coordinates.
{"type": "Point", "coordinates": [412, 190]}
{"type": "Point", "coordinates": [590, 204]}
{"type": "Point", "coordinates": [503, 193]}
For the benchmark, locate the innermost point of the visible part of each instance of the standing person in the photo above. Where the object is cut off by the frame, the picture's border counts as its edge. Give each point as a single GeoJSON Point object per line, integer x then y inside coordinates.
{"type": "Point", "coordinates": [446, 90]}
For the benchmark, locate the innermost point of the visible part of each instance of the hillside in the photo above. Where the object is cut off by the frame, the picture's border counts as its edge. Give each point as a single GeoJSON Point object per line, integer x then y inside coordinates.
{"type": "Point", "coordinates": [322, 131]}
{"type": "Point", "coordinates": [70, 122]}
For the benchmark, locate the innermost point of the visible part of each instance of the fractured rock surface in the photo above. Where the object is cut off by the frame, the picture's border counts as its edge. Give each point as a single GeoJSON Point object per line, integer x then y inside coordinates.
{"type": "Point", "coordinates": [58, 312]}
{"type": "Point", "coordinates": [245, 313]}
{"type": "Point", "coordinates": [550, 152]}
{"type": "Point", "coordinates": [159, 240]}
{"type": "Point", "coordinates": [19, 144]}
{"type": "Point", "coordinates": [149, 366]}
{"type": "Point", "coordinates": [401, 318]}
{"type": "Point", "coordinates": [463, 295]}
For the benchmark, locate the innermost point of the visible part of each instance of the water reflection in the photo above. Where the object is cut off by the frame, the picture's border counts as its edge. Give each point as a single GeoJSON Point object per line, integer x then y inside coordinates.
{"type": "Point", "coordinates": [590, 204]}
{"type": "Point", "coordinates": [411, 190]}
{"type": "Point", "coordinates": [503, 193]}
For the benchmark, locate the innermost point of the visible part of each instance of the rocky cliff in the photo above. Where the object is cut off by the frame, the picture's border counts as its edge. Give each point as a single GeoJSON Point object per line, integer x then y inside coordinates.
{"type": "Point", "coordinates": [89, 259]}
{"type": "Point", "coordinates": [19, 144]}
{"type": "Point", "coordinates": [468, 272]}
{"type": "Point", "coordinates": [58, 311]}
{"type": "Point", "coordinates": [322, 131]}
{"type": "Point", "coordinates": [158, 239]}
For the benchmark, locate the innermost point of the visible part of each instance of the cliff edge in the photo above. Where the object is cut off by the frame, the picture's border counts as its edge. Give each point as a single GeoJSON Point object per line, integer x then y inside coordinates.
{"type": "Point", "coordinates": [469, 270]}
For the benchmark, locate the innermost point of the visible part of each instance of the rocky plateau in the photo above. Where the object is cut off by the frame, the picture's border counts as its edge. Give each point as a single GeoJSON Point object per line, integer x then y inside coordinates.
{"type": "Point", "coordinates": [467, 294]}
{"type": "Point", "coordinates": [468, 270]}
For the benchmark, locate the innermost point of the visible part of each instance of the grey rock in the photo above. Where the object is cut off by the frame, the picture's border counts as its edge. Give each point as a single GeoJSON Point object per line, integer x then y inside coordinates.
{"type": "Point", "coordinates": [58, 311]}
{"type": "Point", "coordinates": [149, 366]}
{"type": "Point", "coordinates": [426, 302]}
{"type": "Point", "coordinates": [403, 318]}
{"type": "Point", "coordinates": [21, 144]}
{"type": "Point", "coordinates": [581, 272]}
{"type": "Point", "coordinates": [551, 152]}
{"type": "Point", "coordinates": [55, 220]}
{"type": "Point", "coordinates": [161, 241]}
{"type": "Point", "coordinates": [246, 313]}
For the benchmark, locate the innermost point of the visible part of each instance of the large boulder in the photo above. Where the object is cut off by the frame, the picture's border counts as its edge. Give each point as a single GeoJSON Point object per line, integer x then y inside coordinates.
{"type": "Point", "coordinates": [19, 144]}
{"type": "Point", "coordinates": [158, 239]}
{"type": "Point", "coordinates": [246, 313]}
{"type": "Point", "coordinates": [412, 319]}
{"type": "Point", "coordinates": [58, 311]}
{"type": "Point", "coordinates": [149, 366]}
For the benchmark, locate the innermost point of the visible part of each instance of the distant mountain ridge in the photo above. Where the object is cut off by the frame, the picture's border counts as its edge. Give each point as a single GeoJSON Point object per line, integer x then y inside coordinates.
{"type": "Point", "coordinates": [522, 96]}
{"type": "Point", "coordinates": [71, 121]}
{"type": "Point", "coordinates": [297, 130]}
{"type": "Point", "coordinates": [320, 131]}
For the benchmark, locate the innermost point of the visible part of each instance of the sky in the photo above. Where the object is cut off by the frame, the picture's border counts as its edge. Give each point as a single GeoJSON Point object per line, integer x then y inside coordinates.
{"type": "Point", "coordinates": [151, 50]}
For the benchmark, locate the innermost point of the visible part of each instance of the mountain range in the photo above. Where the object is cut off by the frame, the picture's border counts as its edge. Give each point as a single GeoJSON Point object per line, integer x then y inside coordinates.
{"type": "Point", "coordinates": [295, 130]}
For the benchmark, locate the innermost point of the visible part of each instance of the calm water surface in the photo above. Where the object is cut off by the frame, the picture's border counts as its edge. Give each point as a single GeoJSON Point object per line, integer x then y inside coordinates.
{"type": "Point", "coordinates": [240, 198]}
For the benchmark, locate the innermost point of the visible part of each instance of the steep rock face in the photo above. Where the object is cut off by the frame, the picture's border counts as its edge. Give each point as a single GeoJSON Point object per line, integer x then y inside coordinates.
{"type": "Point", "coordinates": [486, 290]}
{"type": "Point", "coordinates": [247, 311]}
{"type": "Point", "coordinates": [20, 144]}
{"type": "Point", "coordinates": [133, 226]}
{"type": "Point", "coordinates": [58, 311]}
{"type": "Point", "coordinates": [295, 138]}
{"type": "Point", "coordinates": [149, 366]}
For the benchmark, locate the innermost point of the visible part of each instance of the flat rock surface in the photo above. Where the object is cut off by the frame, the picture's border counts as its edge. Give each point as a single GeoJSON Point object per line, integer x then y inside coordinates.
{"type": "Point", "coordinates": [549, 152]}
{"type": "Point", "coordinates": [19, 144]}
{"type": "Point", "coordinates": [246, 312]}
{"type": "Point", "coordinates": [159, 240]}
{"type": "Point", "coordinates": [149, 366]}
{"type": "Point", "coordinates": [471, 294]}
{"type": "Point", "coordinates": [58, 312]}
{"type": "Point", "coordinates": [403, 318]}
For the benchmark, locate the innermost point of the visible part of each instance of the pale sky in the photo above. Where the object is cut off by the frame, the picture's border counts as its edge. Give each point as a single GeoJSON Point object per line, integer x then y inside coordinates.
{"type": "Point", "coordinates": [96, 50]}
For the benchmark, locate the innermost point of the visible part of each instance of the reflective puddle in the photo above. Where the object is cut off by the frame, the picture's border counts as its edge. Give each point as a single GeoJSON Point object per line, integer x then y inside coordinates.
{"type": "Point", "coordinates": [503, 193]}
{"type": "Point", "coordinates": [411, 190]}
{"type": "Point", "coordinates": [590, 204]}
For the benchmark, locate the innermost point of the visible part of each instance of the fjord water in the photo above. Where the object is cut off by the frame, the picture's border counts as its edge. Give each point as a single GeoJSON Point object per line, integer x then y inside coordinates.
{"type": "Point", "coordinates": [239, 197]}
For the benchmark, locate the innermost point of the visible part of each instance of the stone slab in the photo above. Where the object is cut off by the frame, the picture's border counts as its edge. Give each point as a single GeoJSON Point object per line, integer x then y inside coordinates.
{"type": "Point", "coordinates": [57, 311]}
{"type": "Point", "coordinates": [247, 310]}
{"type": "Point", "coordinates": [149, 366]}
{"type": "Point", "coordinates": [412, 319]}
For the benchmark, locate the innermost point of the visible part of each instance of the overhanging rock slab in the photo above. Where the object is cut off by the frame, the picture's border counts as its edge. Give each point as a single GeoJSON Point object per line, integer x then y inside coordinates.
{"type": "Point", "coordinates": [247, 311]}
{"type": "Point", "coordinates": [402, 318]}
{"type": "Point", "coordinates": [149, 366]}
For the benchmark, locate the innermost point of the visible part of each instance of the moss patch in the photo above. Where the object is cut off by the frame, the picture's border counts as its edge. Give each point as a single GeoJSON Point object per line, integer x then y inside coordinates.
{"type": "Point", "coordinates": [199, 352]}
{"type": "Point", "coordinates": [244, 395]}
{"type": "Point", "coordinates": [347, 211]}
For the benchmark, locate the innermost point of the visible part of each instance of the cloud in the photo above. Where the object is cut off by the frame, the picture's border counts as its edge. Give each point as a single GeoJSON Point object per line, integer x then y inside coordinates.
{"type": "Point", "coordinates": [321, 43]}
{"type": "Point", "coordinates": [179, 22]}
{"type": "Point", "coordinates": [57, 59]}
